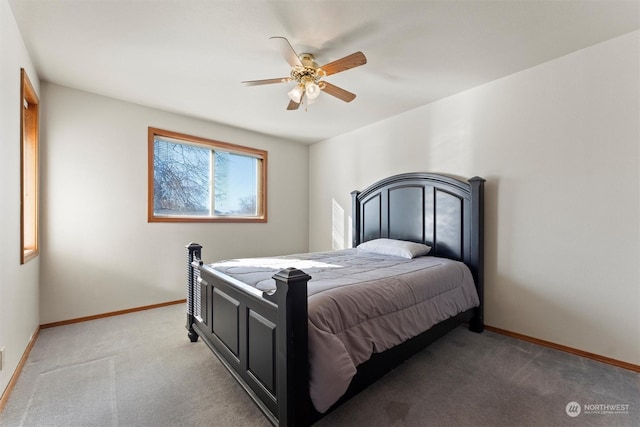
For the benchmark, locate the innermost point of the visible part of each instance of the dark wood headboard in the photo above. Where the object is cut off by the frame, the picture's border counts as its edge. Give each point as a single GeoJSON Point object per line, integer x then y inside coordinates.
{"type": "Point", "coordinates": [437, 210]}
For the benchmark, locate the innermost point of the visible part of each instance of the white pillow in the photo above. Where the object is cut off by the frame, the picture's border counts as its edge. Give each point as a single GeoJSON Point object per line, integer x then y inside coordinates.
{"type": "Point", "coordinates": [393, 247]}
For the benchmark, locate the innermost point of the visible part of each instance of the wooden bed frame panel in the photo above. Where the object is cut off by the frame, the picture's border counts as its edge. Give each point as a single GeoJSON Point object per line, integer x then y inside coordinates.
{"type": "Point", "coordinates": [442, 212]}
{"type": "Point", "coordinates": [262, 339]}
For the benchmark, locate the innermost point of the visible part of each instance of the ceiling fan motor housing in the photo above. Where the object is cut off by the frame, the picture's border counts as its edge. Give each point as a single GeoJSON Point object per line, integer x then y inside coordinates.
{"type": "Point", "coordinates": [309, 71]}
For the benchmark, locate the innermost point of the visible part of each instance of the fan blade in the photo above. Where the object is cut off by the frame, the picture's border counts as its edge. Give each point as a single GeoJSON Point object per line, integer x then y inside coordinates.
{"type": "Point", "coordinates": [293, 105]}
{"type": "Point", "coordinates": [288, 52]}
{"type": "Point", "coordinates": [343, 64]}
{"type": "Point", "coordinates": [266, 81]}
{"type": "Point", "coordinates": [338, 92]}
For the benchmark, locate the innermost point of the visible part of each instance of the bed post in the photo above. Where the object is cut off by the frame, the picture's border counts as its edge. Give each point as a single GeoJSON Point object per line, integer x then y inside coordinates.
{"type": "Point", "coordinates": [292, 348]}
{"type": "Point", "coordinates": [477, 248]}
{"type": "Point", "coordinates": [355, 220]}
{"type": "Point", "coordinates": [194, 253]}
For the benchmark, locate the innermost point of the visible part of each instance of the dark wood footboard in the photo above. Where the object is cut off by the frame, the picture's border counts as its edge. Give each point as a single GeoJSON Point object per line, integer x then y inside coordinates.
{"type": "Point", "coordinates": [260, 338]}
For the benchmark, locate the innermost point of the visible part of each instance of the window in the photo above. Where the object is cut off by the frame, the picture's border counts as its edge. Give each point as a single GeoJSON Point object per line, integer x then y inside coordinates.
{"type": "Point", "coordinates": [28, 169]}
{"type": "Point", "coordinates": [194, 179]}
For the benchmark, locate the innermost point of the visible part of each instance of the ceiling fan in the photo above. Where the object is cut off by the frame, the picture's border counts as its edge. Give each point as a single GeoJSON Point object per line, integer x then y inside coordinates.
{"type": "Point", "coordinates": [307, 75]}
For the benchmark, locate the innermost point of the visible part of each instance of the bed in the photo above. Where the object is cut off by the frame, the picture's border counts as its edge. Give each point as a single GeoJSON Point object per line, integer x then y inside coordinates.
{"type": "Point", "coordinates": [269, 320]}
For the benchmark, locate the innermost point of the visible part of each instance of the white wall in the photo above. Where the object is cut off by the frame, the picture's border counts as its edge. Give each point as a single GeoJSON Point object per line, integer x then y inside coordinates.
{"type": "Point", "coordinates": [18, 283]}
{"type": "Point", "coordinates": [559, 146]}
{"type": "Point", "coordinates": [99, 254]}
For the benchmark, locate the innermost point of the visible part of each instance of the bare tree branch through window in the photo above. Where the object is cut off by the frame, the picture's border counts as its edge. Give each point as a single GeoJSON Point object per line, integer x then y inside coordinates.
{"type": "Point", "coordinates": [205, 181]}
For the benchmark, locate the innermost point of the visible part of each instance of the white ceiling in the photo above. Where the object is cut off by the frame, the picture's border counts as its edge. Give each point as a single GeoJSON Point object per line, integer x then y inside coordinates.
{"type": "Point", "coordinates": [189, 57]}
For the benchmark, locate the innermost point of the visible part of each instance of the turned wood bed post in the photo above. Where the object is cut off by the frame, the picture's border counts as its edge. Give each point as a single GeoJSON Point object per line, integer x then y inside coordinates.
{"type": "Point", "coordinates": [194, 253]}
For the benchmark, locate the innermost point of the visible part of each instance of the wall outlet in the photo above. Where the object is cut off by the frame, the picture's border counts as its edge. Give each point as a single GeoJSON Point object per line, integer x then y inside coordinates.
{"type": "Point", "coordinates": [1, 358]}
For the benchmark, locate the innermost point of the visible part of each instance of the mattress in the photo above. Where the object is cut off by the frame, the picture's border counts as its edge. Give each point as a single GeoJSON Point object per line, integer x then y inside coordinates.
{"type": "Point", "coordinates": [362, 303]}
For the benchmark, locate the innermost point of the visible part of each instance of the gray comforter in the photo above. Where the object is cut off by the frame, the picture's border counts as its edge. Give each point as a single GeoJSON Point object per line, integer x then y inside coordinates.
{"type": "Point", "coordinates": [362, 303]}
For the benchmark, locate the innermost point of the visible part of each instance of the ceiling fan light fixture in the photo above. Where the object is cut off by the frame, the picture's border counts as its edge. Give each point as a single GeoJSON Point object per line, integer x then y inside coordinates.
{"type": "Point", "coordinates": [308, 76]}
{"type": "Point", "coordinates": [295, 94]}
{"type": "Point", "coordinates": [312, 90]}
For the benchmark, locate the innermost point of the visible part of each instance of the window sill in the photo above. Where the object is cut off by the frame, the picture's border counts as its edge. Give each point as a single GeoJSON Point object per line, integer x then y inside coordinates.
{"type": "Point", "coordinates": [28, 255]}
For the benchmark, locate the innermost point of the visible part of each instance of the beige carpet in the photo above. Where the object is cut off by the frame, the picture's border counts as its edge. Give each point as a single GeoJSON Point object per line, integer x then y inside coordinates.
{"type": "Point", "coordinates": [140, 369]}
{"type": "Point", "coordinates": [79, 383]}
